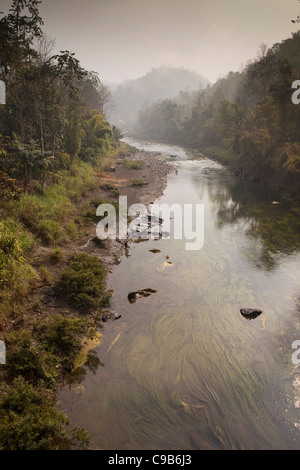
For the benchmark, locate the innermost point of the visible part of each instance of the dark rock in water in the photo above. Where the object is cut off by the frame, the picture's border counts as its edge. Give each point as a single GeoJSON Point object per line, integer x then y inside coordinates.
{"type": "Point", "coordinates": [110, 315]}
{"type": "Point", "coordinates": [133, 296]}
{"type": "Point", "coordinates": [250, 313]}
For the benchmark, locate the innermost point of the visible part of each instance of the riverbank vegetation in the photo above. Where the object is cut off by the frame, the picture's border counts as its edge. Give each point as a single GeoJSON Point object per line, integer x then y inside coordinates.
{"type": "Point", "coordinates": [246, 120]}
{"type": "Point", "coordinates": [55, 142]}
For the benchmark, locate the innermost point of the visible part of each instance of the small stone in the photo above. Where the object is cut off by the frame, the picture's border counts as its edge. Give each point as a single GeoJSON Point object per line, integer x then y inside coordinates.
{"type": "Point", "coordinates": [250, 313]}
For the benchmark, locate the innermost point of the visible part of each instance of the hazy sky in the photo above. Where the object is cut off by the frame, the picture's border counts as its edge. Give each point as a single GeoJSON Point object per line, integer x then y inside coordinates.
{"type": "Point", "coordinates": [122, 39]}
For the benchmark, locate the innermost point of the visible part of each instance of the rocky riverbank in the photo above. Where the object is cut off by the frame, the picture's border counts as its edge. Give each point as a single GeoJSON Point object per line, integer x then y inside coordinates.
{"type": "Point", "coordinates": [141, 184]}
{"type": "Point", "coordinates": [139, 175]}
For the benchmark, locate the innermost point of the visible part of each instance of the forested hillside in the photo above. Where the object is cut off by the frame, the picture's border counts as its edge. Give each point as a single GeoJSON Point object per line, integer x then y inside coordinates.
{"type": "Point", "coordinates": [246, 119]}
{"type": "Point", "coordinates": [132, 96]}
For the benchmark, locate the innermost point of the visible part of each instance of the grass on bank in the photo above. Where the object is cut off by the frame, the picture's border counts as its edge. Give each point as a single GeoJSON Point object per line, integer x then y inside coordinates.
{"type": "Point", "coordinates": [133, 164]}
{"type": "Point", "coordinates": [83, 282]}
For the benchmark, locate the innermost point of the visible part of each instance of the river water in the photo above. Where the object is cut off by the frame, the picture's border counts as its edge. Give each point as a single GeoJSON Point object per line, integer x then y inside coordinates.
{"type": "Point", "coordinates": [182, 369]}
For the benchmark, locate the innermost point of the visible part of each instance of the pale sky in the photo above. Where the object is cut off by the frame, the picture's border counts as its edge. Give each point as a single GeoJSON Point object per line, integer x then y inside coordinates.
{"type": "Point", "coordinates": [123, 39]}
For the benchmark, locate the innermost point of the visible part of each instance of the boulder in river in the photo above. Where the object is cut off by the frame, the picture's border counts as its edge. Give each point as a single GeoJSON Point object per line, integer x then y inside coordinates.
{"type": "Point", "coordinates": [133, 296]}
{"type": "Point", "coordinates": [110, 315]}
{"type": "Point", "coordinates": [250, 313]}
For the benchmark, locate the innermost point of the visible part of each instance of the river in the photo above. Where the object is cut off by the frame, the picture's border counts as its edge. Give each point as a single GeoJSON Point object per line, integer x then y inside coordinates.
{"type": "Point", "coordinates": [182, 369]}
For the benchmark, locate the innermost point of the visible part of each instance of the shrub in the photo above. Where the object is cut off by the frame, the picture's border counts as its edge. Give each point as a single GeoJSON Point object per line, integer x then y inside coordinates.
{"type": "Point", "coordinates": [25, 358]}
{"type": "Point", "coordinates": [138, 183]}
{"type": "Point", "coordinates": [60, 335]}
{"type": "Point", "coordinates": [83, 281]}
{"type": "Point", "coordinates": [134, 164]}
{"type": "Point", "coordinates": [29, 420]}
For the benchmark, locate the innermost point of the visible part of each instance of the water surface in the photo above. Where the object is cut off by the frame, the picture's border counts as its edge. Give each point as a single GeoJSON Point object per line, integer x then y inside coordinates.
{"type": "Point", "coordinates": [182, 369]}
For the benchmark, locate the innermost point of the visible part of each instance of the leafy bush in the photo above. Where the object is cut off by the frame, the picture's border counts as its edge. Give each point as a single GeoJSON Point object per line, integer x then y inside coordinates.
{"type": "Point", "coordinates": [29, 420]}
{"type": "Point", "coordinates": [83, 281]}
{"type": "Point", "coordinates": [60, 336]}
{"type": "Point", "coordinates": [25, 358]}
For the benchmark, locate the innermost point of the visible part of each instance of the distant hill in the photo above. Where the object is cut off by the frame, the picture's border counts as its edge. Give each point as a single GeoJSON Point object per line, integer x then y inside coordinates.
{"type": "Point", "coordinates": [161, 83]}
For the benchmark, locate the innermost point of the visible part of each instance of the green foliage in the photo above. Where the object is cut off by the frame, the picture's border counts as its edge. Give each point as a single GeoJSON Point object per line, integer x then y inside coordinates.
{"type": "Point", "coordinates": [55, 256]}
{"type": "Point", "coordinates": [26, 160]}
{"type": "Point", "coordinates": [97, 139]}
{"type": "Point", "coordinates": [133, 164]}
{"type": "Point", "coordinates": [44, 214]}
{"type": "Point", "coordinates": [25, 358]}
{"type": "Point", "coordinates": [246, 119]}
{"type": "Point", "coordinates": [83, 282]}
{"type": "Point", "coordinates": [29, 420]}
{"type": "Point", "coordinates": [60, 335]}
{"type": "Point", "coordinates": [63, 160]}
{"type": "Point", "coordinates": [117, 133]}
{"type": "Point", "coordinates": [138, 183]}
{"type": "Point", "coordinates": [161, 121]}
{"type": "Point", "coordinates": [49, 232]}
{"type": "Point", "coordinates": [8, 189]}
{"type": "Point", "coordinates": [16, 274]}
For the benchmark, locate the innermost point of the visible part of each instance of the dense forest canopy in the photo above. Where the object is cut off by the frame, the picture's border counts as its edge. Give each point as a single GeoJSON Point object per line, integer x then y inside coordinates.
{"type": "Point", "coordinates": [246, 119]}
{"type": "Point", "coordinates": [55, 109]}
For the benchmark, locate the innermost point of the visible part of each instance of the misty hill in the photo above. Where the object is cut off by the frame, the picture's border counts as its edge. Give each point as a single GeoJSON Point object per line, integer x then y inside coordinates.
{"type": "Point", "coordinates": [164, 82]}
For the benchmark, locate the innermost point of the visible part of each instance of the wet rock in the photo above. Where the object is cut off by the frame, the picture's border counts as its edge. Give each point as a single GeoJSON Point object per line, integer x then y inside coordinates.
{"type": "Point", "coordinates": [250, 313]}
{"type": "Point", "coordinates": [110, 315]}
{"type": "Point", "coordinates": [133, 296]}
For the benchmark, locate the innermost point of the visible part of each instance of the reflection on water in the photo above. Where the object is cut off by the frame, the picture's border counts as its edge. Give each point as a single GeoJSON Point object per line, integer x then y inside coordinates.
{"type": "Point", "coordinates": [182, 368]}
